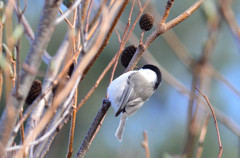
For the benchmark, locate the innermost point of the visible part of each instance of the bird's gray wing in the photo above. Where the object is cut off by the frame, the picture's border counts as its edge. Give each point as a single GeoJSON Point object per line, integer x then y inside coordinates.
{"type": "Point", "coordinates": [133, 106]}
{"type": "Point", "coordinates": [125, 96]}
{"type": "Point", "coordinates": [141, 89]}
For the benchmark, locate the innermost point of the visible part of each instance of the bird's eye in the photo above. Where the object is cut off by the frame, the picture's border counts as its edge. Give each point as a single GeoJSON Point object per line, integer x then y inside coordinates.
{"type": "Point", "coordinates": [138, 68]}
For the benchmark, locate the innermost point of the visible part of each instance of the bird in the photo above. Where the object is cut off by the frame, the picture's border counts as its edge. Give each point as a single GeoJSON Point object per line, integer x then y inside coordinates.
{"type": "Point", "coordinates": [128, 92]}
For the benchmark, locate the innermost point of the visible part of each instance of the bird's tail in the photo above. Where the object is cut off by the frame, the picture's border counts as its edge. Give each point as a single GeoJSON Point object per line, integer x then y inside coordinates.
{"type": "Point", "coordinates": [119, 131]}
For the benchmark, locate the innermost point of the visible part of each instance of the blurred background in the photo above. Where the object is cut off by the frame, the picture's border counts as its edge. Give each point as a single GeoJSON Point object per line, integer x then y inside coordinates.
{"type": "Point", "coordinates": [165, 115]}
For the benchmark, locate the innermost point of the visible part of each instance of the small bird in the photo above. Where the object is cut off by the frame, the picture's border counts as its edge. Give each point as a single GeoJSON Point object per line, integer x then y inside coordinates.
{"type": "Point", "coordinates": [128, 92]}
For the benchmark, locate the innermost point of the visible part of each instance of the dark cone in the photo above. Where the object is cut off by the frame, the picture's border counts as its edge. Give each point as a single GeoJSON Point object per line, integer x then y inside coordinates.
{"type": "Point", "coordinates": [146, 22]}
{"type": "Point", "coordinates": [127, 55]}
{"type": "Point", "coordinates": [34, 92]}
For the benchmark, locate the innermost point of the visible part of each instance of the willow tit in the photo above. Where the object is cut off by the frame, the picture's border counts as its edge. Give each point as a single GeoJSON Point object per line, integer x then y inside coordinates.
{"type": "Point", "coordinates": [128, 92]}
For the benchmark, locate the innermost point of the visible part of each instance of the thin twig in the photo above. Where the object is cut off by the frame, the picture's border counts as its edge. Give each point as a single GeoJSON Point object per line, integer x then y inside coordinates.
{"type": "Point", "coordinates": [25, 116]}
{"type": "Point", "coordinates": [215, 121]}
{"type": "Point", "coordinates": [221, 78]}
{"type": "Point", "coordinates": [74, 106]}
{"type": "Point", "coordinates": [72, 129]}
{"type": "Point", "coordinates": [123, 41]}
{"type": "Point", "coordinates": [141, 38]}
{"type": "Point", "coordinates": [93, 29]}
{"type": "Point", "coordinates": [98, 13]}
{"type": "Point", "coordinates": [51, 138]}
{"type": "Point", "coordinates": [84, 8]}
{"type": "Point", "coordinates": [66, 20]}
{"type": "Point", "coordinates": [65, 108]}
{"type": "Point", "coordinates": [88, 17]}
{"type": "Point", "coordinates": [68, 12]}
{"type": "Point", "coordinates": [230, 17]}
{"type": "Point", "coordinates": [139, 5]}
{"type": "Point", "coordinates": [136, 21]}
{"type": "Point", "coordinates": [118, 35]}
{"type": "Point", "coordinates": [107, 37]}
{"type": "Point", "coordinates": [18, 63]}
{"type": "Point", "coordinates": [22, 127]}
{"type": "Point", "coordinates": [145, 144]}
{"type": "Point", "coordinates": [191, 123]}
{"type": "Point", "coordinates": [167, 9]}
{"type": "Point", "coordinates": [202, 137]}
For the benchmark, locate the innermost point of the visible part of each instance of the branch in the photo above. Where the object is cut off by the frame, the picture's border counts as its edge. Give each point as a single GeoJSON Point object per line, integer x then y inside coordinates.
{"type": "Point", "coordinates": [95, 126]}
{"type": "Point", "coordinates": [68, 12]}
{"type": "Point", "coordinates": [167, 9]}
{"type": "Point", "coordinates": [107, 37]}
{"type": "Point", "coordinates": [229, 16]}
{"type": "Point", "coordinates": [72, 129]}
{"type": "Point", "coordinates": [30, 35]}
{"type": "Point", "coordinates": [75, 77]}
{"type": "Point", "coordinates": [145, 144]}
{"type": "Point", "coordinates": [215, 121]}
{"type": "Point", "coordinates": [202, 137]}
{"type": "Point", "coordinates": [162, 27]}
{"type": "Point", "coordinates": [14, 104]}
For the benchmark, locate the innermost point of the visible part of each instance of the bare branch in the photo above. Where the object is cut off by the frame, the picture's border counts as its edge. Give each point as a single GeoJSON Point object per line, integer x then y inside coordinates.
{"type": "Point", "coordinates": [68, 12]}
{"type": "Point", "coordinates": [40, 43]}
{"type": "Point", "coordinates": [215, 121]}
{"type": "Point", "coordinates": [160, 30]}
{"type": "Point", "coordinates": [95, 126]}
{"type": "Point", "coordinates": [167, 9]}
{"type": "Point", "coordinates": [145, 144]}
{"type": "Point", "coordinates": [202, 137]}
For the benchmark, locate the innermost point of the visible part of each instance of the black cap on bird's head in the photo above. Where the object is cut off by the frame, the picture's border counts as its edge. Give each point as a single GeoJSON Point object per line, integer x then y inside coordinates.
{"type": "Point", "coordinates": [157, 71]}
